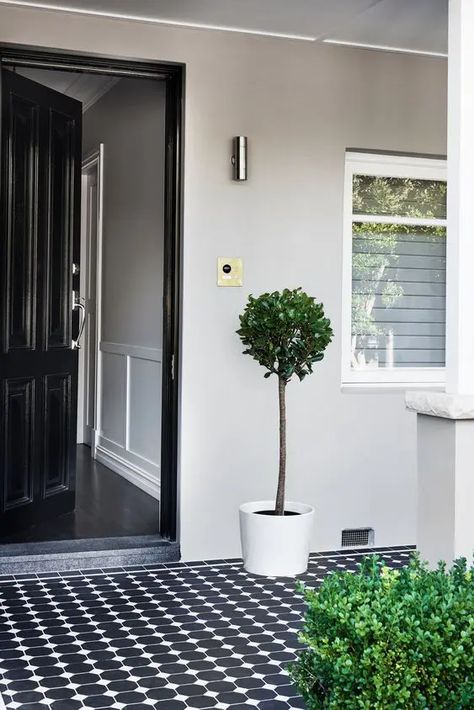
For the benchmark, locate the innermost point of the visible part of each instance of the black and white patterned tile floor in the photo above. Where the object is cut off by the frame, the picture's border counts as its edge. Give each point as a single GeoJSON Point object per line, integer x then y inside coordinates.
{"type": "Point", "coordinates": [172, 637]}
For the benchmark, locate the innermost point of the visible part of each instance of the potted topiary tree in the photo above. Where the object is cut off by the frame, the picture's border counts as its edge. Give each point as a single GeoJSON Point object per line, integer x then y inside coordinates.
{"type": "Point", "coordinates": [286, 332]}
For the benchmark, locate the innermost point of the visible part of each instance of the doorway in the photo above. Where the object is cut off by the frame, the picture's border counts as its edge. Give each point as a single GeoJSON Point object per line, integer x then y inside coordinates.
{"type": "Point", "coordinates": [92, 182]}
{"type": "Point", "coordinates": [85, 297]}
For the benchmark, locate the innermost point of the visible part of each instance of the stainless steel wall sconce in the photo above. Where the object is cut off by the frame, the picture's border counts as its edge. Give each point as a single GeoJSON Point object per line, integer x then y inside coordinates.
{"type": "Point", "coordinates": [239, 158]}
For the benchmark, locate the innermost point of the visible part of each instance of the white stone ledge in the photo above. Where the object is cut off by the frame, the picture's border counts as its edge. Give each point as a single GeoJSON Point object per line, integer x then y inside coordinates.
{"type": "Point", "coordinates": [441, 404]}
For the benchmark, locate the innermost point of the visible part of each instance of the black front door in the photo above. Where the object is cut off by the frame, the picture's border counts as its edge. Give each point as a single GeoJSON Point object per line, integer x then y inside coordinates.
{"type": "Point", "coordinates": [39, 243]}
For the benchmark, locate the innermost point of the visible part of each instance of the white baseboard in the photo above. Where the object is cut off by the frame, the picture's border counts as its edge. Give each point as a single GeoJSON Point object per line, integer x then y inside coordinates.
{"type": "Point", "coordinates": [94, 442]}
{"type": "Point", "coordinates": [133, 473]}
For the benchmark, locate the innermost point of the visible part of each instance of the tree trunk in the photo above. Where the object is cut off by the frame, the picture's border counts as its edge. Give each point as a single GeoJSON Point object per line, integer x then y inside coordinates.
{"type": "Point", "coordinates": [280, 497]}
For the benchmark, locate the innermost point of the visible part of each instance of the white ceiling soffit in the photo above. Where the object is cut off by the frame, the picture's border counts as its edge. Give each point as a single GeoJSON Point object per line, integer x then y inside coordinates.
{"type": "Point", "coordinates": [302, 19]}
{"type": "Point", "coordinates": [86, 88]}
{"type": "Point", "coordinates": [419, 26]}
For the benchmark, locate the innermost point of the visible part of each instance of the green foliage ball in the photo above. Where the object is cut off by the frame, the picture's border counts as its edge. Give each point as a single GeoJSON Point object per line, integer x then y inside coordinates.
{"type": "Point", "coordinates": [286, 332]}
{"type": "Point", "coordinates": [389, 639]}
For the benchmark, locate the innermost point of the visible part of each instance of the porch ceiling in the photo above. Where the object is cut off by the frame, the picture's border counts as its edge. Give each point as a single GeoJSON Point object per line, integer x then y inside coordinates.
{"type": "Point", "coordinates": [407, 25]}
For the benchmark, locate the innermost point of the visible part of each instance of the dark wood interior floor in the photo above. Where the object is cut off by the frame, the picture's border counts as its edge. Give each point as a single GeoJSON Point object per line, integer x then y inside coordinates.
{"type": "Point", "coordinates": [107, 505]}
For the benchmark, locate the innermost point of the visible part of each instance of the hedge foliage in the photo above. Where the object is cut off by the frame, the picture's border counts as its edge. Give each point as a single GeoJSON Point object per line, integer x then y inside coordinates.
{"type": "Point", "coordinates": [389, 639]}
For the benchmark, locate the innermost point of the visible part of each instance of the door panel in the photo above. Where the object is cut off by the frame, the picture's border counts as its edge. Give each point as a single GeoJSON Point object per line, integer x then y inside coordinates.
{"type": "Point", "coordinates": [18, 441]}
{"type": "Point", "coordinates": [21, 195]}
{"type": "Point", "coordinates": [40, 225]}
{"type": "Point", "coordinates": [58, 415]}
{"type": "Point", "coordinates": [60, 231]}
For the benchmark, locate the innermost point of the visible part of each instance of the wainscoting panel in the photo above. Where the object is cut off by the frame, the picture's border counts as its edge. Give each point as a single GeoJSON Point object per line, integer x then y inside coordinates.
{"type": "Point", "coordinates": [144, 432]}
{"type": "Point", "coordinates": [114, 395]}
{"type": "Point", "coordinates": [129, 437]}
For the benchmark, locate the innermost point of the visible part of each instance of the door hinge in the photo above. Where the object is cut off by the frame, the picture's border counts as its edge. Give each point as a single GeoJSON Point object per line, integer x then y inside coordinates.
{"type": "Point", "coordinates": [172, 366]}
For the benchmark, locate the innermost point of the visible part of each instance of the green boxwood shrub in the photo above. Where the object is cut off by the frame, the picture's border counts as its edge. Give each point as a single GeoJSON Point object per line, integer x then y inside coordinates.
{"type": "Point", "coordinates": [380, 639]}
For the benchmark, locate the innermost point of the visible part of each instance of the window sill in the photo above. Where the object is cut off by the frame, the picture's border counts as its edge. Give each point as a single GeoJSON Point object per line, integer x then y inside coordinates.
{"type": "Point", "coordinates": [389, 387]}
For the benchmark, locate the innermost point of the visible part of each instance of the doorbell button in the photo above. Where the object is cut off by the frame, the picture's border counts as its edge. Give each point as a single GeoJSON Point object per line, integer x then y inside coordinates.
{"type": "Point", "coordinates": [229, 271]}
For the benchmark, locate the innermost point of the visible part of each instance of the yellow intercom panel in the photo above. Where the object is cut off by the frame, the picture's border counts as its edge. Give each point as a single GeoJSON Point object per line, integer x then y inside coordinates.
{"type": "Point", "coordinates": [229, 271]}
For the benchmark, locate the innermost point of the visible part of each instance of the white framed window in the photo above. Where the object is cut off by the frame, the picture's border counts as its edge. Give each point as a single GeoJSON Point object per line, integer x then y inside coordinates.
{"type": "Point", "coordinates": [394, 271]}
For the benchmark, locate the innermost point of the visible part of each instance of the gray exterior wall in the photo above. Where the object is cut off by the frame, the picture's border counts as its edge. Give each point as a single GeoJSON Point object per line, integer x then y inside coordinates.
{"type": "Point", "coordinates": [351, 455]}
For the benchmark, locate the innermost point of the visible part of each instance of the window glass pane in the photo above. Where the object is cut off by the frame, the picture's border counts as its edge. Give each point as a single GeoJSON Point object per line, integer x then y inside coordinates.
{"type": "Point", "coordinates": [400, 197]}
{"type": "Point", "coordinates": [398, 296]}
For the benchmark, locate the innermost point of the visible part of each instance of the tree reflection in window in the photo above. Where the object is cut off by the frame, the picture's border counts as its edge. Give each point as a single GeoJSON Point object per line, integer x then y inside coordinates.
{"type": "Point", "coordinates": [398, 271]}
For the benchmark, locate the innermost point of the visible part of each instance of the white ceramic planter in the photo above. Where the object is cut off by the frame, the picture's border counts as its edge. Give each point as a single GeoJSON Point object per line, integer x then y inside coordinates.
{"type": "Point", "coordinates": [275, 545]}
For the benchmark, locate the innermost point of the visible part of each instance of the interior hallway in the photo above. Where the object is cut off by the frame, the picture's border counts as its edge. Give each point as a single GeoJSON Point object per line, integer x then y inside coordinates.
{"type": "Point", "coordinates": [107, 505]}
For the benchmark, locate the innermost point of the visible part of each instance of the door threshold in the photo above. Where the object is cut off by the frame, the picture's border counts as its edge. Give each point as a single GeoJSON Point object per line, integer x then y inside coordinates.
{"type": "Point", "coordinates": [87, 553]}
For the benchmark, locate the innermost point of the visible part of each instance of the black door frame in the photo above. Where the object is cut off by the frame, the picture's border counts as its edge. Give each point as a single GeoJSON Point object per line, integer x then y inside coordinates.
{"type": "Point", "coordinates": [174, 76]}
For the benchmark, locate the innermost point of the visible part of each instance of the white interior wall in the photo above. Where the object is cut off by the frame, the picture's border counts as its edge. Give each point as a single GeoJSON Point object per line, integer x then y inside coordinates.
{"type": "Point", "coordinates": [352, 455]}
{"type": "Point", "coordinates": [129, 120]}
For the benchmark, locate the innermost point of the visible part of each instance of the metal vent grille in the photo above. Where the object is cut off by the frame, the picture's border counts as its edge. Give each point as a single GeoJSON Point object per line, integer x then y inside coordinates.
{"type": "Point", "coordinates": [357, 537]}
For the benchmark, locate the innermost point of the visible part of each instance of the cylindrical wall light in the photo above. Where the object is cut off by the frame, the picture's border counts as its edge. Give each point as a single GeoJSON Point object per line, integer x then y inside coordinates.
{"type": "Point", "coordinates": [239, 158]}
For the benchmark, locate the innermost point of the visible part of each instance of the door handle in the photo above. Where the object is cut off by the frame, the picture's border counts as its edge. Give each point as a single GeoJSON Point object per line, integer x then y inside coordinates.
{"type": "Point", "coordinates": [78, 305]}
